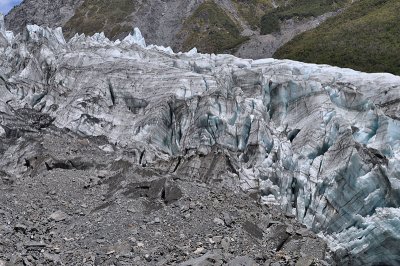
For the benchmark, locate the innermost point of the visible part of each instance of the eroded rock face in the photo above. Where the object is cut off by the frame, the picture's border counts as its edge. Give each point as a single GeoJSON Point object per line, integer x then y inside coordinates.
{"type": "Point", "coordinates": [45, 12]}
{"type": "Point", "coordinates": [321, 142]}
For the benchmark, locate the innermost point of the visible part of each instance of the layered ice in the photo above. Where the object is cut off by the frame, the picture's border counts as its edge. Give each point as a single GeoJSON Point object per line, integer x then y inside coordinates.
{"type": "Point", "coordinates": [320, 141]}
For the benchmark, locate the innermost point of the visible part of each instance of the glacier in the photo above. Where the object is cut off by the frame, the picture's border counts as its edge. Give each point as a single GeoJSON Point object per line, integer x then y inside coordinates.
{"type": "Point", "coordinates": [321, 142]}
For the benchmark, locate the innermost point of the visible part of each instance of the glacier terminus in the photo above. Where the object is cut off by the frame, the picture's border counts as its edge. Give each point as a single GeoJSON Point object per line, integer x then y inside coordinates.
{"type": "Point", "coordinates": [320, 142]}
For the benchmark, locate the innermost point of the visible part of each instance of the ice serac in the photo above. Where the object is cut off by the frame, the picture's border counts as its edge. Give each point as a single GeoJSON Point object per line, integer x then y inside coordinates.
{"type": "Point", "coordinates": [135, 38]}
{"type": "Point", "coordinates": [320, 141]}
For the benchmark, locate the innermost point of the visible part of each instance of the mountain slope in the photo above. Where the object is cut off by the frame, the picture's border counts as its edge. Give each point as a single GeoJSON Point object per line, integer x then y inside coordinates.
{"type": "Point", "coordinates": [211, 30]}
{"type": "Point", "coordinates": [362, 35]}
{"type": "Point", "coordinates": [230, 26]}
{"type": "Point", "coordinates": [365, 37]}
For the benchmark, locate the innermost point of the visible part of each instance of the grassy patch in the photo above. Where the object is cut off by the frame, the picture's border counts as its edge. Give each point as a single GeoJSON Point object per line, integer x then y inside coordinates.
{"type": "Point", "coordinates": [211, 30]}
{"type": "Point", "coordinates": [298, 9]}
{"type": "Point", "coordinates": [101, 15]}
{"type": "Point", "coordinates": [253, 10]}
{"type": "Point", "coordinates": [365, 37]}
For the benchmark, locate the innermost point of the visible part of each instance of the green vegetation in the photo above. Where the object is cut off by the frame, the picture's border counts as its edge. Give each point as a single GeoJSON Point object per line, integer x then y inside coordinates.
{"type": "Point", "coordinates": [298, 9]}
{"type": "Point", "coordinates": [101, 15]}
{"type": "Point", "coordinates": [252, 10]}
{"type": "Point", "coordinates": [365, 37]}
{"type": "Point", "coordinates": [211, 30]}
{"type": "Point", "coordinates": [270, 23]}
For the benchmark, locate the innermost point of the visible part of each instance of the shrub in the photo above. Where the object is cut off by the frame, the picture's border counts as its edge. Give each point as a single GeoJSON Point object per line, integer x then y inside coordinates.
{"type": "Point", "coordinates": [270, 23]}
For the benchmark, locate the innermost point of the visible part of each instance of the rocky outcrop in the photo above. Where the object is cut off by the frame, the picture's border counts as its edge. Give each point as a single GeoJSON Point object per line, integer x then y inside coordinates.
{"type": "Point", "coordinates": [51, 13]}
{"type": "Point", "coordinates": [320, 142]}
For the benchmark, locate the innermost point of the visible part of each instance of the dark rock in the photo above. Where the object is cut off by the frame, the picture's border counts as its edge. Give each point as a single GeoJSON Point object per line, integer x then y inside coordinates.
{"type": "Point", "coordinates": [148, 189]}
{"type": "Point", "coordinates": [171, 192]}
{"type": "Point", "coordinates": [277, 236]}
{"type": "Point", "coordinates": [253, 229]}
{"type": "Point", "coordinates": [20, 228]}
{"type": "Point", "coordinates": [34, 245]}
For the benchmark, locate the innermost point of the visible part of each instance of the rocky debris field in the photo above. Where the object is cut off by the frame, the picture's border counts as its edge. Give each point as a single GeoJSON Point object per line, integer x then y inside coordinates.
{"type": "Point", "coordinates": [77, 203]}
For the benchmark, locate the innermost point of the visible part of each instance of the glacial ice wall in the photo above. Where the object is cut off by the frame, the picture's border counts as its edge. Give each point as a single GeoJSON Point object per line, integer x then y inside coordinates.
{"type": "Point", "coordinates": [320, 141]}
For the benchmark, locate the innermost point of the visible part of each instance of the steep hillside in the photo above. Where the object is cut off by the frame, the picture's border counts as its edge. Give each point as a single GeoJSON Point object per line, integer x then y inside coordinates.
{"type": "Point", "coordinates": [211, 30]}
{"type": "Point", "coordinates": [231, 26]}
{"type": "Point", "coordinates": [96, 16]}
{"type": "Point", "coordinates": [364, 37]}
{"type": "Point", "coordinates": [52, 13]}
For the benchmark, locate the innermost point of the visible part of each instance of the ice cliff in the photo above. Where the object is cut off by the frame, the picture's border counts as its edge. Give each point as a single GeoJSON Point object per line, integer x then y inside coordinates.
{"type": "Point", "coordinates": [320, 141]}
